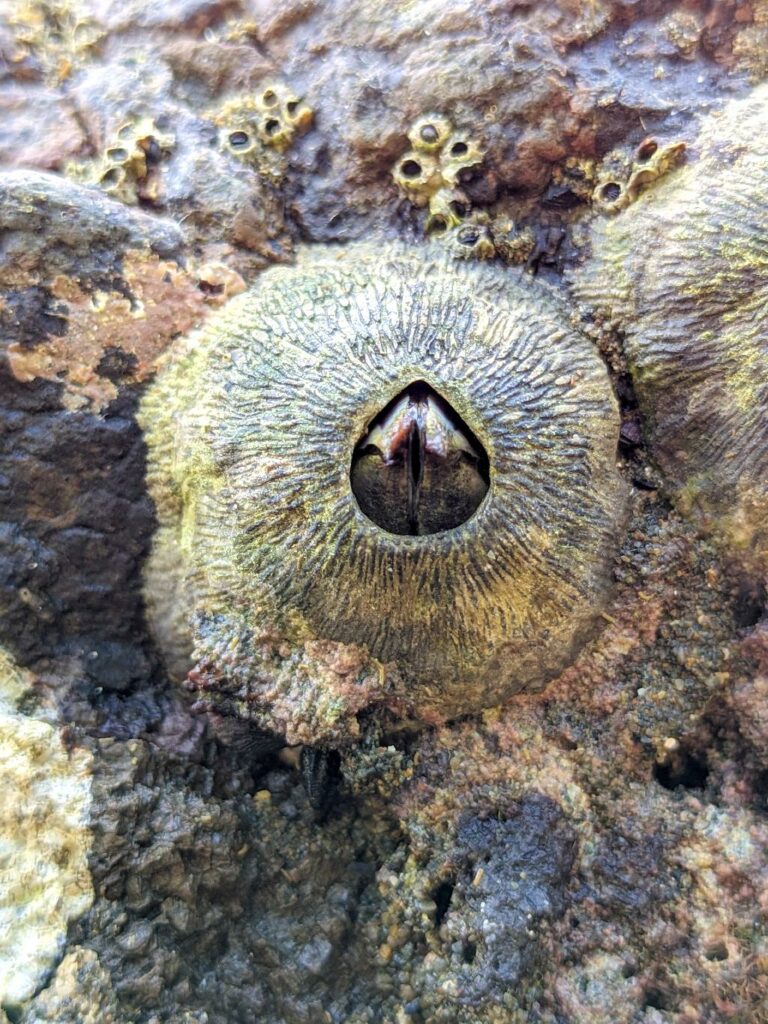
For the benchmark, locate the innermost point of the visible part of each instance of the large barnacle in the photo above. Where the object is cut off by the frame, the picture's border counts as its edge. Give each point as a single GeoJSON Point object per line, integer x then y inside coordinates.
{"type": "Point", "coordinates": [381, 458]}
{"type": "Point", "coordinates": [683, 272]}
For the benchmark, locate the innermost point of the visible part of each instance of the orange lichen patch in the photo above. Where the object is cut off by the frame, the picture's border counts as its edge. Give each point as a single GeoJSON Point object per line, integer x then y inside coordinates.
{"type": "Point", "coordinates": [158, 302]}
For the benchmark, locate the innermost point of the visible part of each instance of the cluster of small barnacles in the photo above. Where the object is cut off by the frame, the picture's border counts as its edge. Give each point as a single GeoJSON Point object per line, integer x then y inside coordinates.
{"type": "Point", "coordinates": [430, 172]}
{"type": "Point", "coordinates": [259, 128]}
{"type": "Point", "coordinates": [127, 169]}
{"type": "Point", "coordinates": [55, 36]}
{"type": "Point", "coordinates": [623, 178]}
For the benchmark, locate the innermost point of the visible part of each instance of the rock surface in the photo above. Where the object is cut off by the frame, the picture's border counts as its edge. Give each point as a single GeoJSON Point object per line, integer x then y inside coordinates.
{"type": "Point", "coordinates": [45, 882]}
{"type": "Point", "coordinates": [595, 853]}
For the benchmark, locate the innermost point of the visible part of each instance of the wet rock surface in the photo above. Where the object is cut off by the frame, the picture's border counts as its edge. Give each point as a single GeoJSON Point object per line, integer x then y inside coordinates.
{"type": "Point", "coordinates": [596, 853]}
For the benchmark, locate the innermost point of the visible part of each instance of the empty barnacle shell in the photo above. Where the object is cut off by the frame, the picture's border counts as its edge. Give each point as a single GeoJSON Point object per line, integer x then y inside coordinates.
{"type": "Point", "coordinates": [127, 167]}
{"type": "Point", "coordinates": [418, 175]}
{"type": "Point", "coordinates": [447, 209]}
{"type": "Point", "coordinates": [382, 454]}
{"type": "Point", "coordinates": [683, 273]}
{"type": "Point", "coordinates": [259, 127]}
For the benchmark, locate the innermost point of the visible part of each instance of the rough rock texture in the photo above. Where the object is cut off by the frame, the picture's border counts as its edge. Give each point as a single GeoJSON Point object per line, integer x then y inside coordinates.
{"type": "Point", "coordinates": [591, 855]}
{"type": "Point", "coordinates": [44, 842]}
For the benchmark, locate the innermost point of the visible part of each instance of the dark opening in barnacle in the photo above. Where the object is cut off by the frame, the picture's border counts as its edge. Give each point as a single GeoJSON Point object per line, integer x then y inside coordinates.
{"type": "Point", "coordinates": [410, 169]}
{"type": "Point", "coordinates": [419, 469]}
{"type": "Point", "coordinates": [610, 192]}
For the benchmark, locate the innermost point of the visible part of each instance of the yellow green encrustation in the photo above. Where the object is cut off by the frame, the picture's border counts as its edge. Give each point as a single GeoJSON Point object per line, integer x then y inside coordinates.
{"type": "Point", "coordinates": [264, 565]}
{"type": "Point", "coordinates": [683, 274]}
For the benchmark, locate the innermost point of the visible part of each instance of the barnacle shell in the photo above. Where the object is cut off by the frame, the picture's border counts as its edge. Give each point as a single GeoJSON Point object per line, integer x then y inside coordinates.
{"type": "Point", "coordinates": [127, 168]}
{"type": "Point", "coordinates": [684, 273]}
{"type": "Point", "coordinates": [259, 127]}
{"type": "Point", "coordinates": [251, 436]}
{"type": "Point", "coordinates": [650, 162]}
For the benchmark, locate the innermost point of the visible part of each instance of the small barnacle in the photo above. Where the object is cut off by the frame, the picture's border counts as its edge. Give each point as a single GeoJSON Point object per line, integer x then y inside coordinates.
{"type": "Point", "coordinates": [459, 154]}
{"type": "Point", "coordinates": [241, 142]}
{"type": "Point", "coordinates": [429, 173]}
{"type": "Point", "coordinates": [385, 479]}
{"type": "Point", "coordinates": [283, 116]}
{"type": "Point", "coordinates": [610, 195]}
{"type": "Point", "coordinates": [418, 175]}
{"type": "Point", "coordinates": [652, 162]}
{"type": "Point", "coordinates": [684, 275]}
{"type": "Point", "coordinates": [473, 239]}
{"type": "Point", "coordinates": [447, 209]}
{"type": "Point", "coordinates": [430, 133]}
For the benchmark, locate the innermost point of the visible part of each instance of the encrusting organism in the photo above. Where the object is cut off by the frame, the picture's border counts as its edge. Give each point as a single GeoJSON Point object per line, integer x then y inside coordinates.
{"type": "Point", "coordinates": [382, 478]}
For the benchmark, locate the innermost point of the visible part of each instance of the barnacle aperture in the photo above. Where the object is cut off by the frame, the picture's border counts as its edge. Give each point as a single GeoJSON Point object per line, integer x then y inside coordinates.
{"type": "Point", "coordinates": [683, 272]}
{"type": "Point", "coordinates": [128, 167]}
{"type": "Point", "coordinates": [260, 441]}
{"type": "Point", "coordinates": [650, 162]}
{"type": "Point", "coordinates": [418, 470]}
